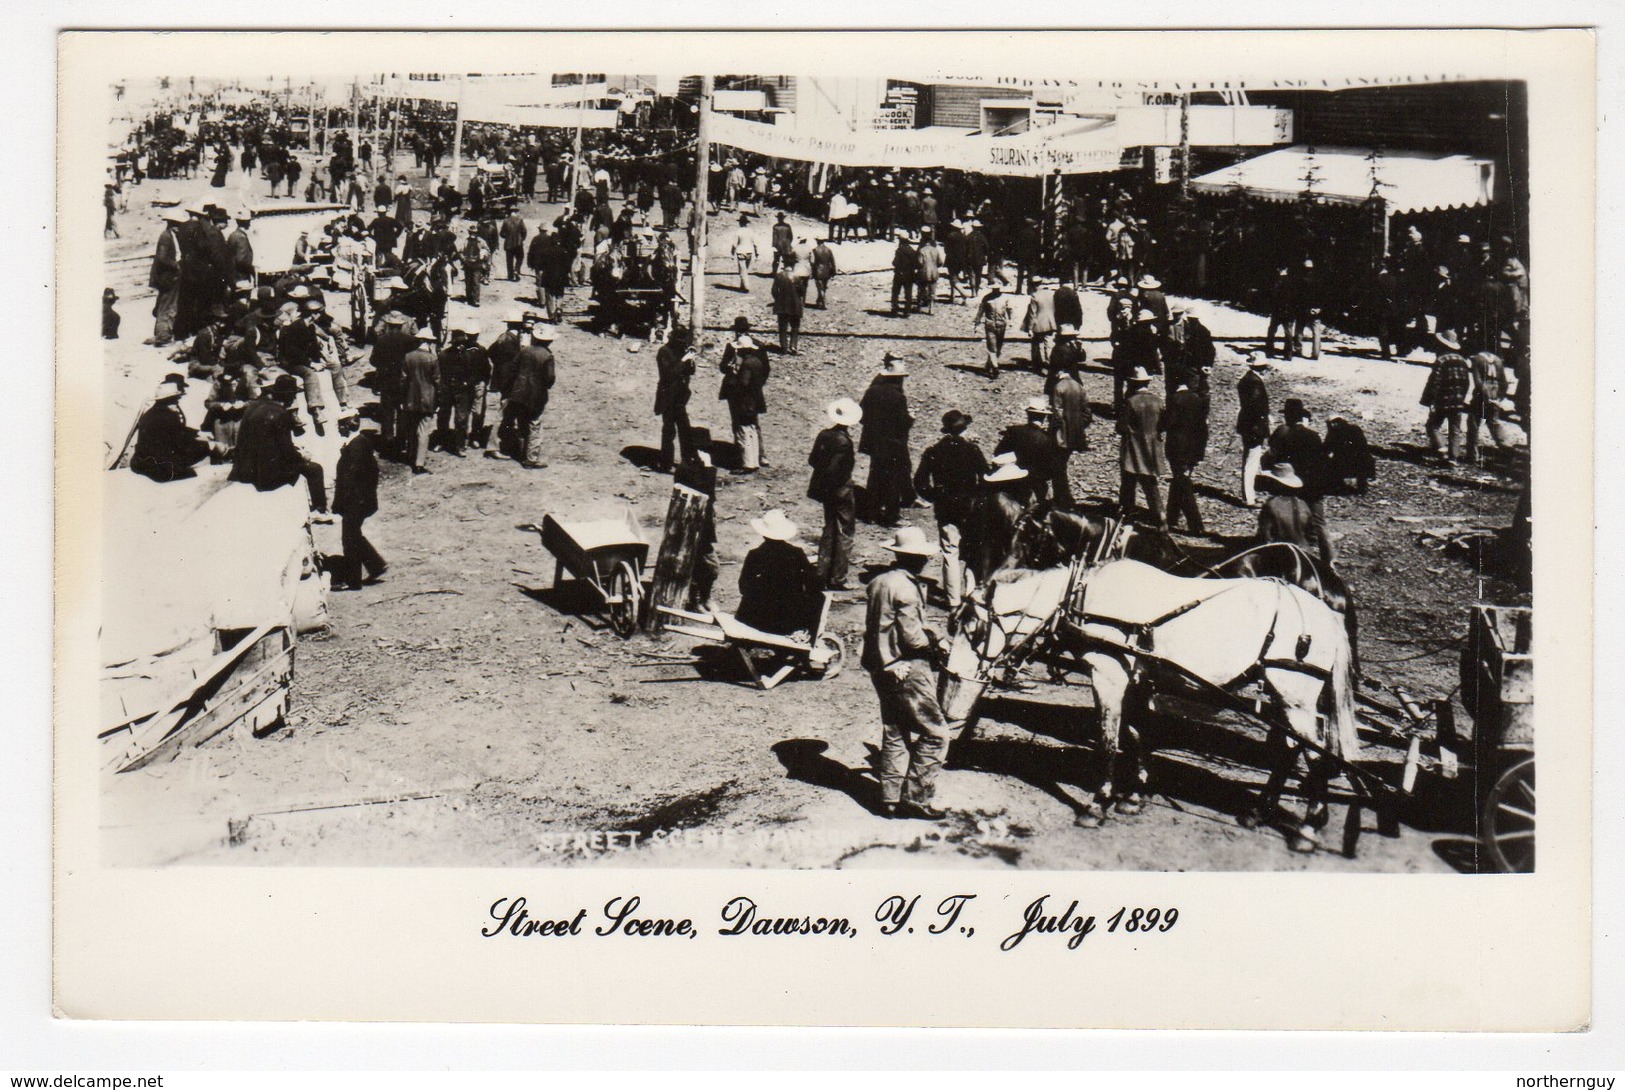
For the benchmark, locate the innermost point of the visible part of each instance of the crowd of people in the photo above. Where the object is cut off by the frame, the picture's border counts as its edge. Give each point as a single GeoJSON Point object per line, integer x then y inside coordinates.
{"type": "Point", "coordinates": [261, 343]}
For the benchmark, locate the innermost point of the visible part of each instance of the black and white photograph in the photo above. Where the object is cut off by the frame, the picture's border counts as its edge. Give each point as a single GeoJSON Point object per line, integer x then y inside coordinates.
{"type": "Point", "coordinates": [730, 463]}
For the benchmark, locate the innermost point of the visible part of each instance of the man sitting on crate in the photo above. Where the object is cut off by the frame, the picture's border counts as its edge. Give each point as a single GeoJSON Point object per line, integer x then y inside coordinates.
{"type": "Point", "coordinates": [779, 589]}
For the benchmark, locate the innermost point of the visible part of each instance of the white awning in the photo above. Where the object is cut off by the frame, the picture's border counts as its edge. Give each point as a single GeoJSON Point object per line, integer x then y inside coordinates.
{"type": "Point", "coordinates": [1409, 181]}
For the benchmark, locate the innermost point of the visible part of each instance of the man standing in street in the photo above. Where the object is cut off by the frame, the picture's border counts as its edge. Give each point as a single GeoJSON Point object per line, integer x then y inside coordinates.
{"type": "Point", "coordinates": [241, 248]}
{"type": "Point", "coordinates": [1035, 448]}
{"type": "Point", "coordinates": [464, 369]}
{"type": "Point", "coordinates": [831, 460]}
{"type": "Point", "coordinates": [355, 500]}
{"type": "Point", "coordinates": [886, 425]}
{"type": "Point", "coordinates": [1448, 395]}
{"type": "Point", "coordinates": [676, 362]}
{"type": "Point", "coordinates": [1039, 322]}
{"type": "Point", "coordinates": [905, 270]}
{"type": "Point", "coordinates": [744, 251]}
{"type": "Point", "coordinates": [898, 652]}
{"type": "Point", "coordinates": [787, 307]}
{"type": "Point", "coordinates": [513, 233]}
{"type": "Point", "coordinates": [928, 266]}
{"type": "Point", "coordinates": [165, 279]}
{"type": "Point", "coordinates": [420, 381]}
{"type": "Point", "coordinates": [744, 376]}
{"type": "Point", "coordinates": [823, 270]}
{"type": "Point", "coordinates": [534, 372]}
{"type": "Point", "coordinates": [389, 352]}
{"type": "Point", "coordinates": [1297, 444]}
{"type": "Point", "coordinates": [949, 476]}
{"type": "Point", "coordinates": [1071, 423]}
{"type": "Point", "coordinates": [783, 244]}
{"type": "Point", "coordinates": [993, 316]}
{"type": "Point", "coordinates": [1187, 446]}
{"type": "Point", "coordinates": [1252, 423]}
{"type": "Point", "coordinates": [1141, 425]}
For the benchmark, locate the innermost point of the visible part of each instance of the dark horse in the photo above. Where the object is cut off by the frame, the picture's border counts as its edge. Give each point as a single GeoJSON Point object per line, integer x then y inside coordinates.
{"type": "Point", "coordinates": [1047, 536]}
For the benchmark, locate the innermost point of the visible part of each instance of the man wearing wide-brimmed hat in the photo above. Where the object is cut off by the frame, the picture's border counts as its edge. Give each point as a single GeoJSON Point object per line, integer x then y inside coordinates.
{"type": "Point", "coordinates": [1252, 422]}
{"type": "Point", "coordinates": [166, 448]}
{"type": "Point", "coordinates": [1005, 496]}
{"type": "Point", "coordinates": [886, 426]}
{"type": "Point", "coordinates": [675, 363]}
{"type": "Point", "coordinates": [950, 476]}
{"type": "Point", "coordinates": [464, 370]}
{"type": "Point", "coordinates": [534, 372]}
{"type": "Point", "coordinates": [778, 585]}
{"type": "Point", "coordinates": [1448, 394]}
{"type": "Point", "coordinates": [265, 455]}
{"type": "Point", "coordinates": [420, 396]}
{"type": "Point", "coordinates": [1286, 516]}
{"type": "Point", "coordinates": [1035, 448]}
{"type": "Point", "coordinates": [165, 278]}
{"type": "Point", "coordinates": [899, 653]}
{"type": "Point", "coordinates": [1140, 460]}
{"type": "Point", "coordinates": [833, 455]}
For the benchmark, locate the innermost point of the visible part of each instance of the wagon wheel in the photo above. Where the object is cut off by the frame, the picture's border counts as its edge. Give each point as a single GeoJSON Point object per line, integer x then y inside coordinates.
{"type": "Point", "coordinates": [625, 599]}
{"type": "Point", "coordinates": [837, 656]}
{"type": "Point", "coordinates": [1508, 827]}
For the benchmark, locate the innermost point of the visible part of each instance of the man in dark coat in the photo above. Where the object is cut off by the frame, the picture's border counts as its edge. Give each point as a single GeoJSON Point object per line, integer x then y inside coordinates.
{"type": "Point", "coordinates": [1142, 350]}
{"type": "Point", "coordinates": [551, 260]}
{"type": "Point", "coordinates": [1286, 515]}
{"type": "Point", "coordinates": [420, 397]}
{"type": "Point", "coordinates": [166, 448]}
{"type": "Point", "coordinates": [1068, 355]}
{"type": "Point", "coordinates": [1035, 448]}
{"type": "Point", "coordinates": [778, 585]}
{"type": "Point", "coordinates": [464, 370]}
{"type": "Point", "coordinates": [905, 271]}
{"type": "Point", "coordinates": [1068, 306]}
{"type": "Point", "coordinates": [745, 371]}
{"type": "Point", "coordinates": [165, 279]}
{"type": "Point", "coordinates": [788, 307]}
{"type": "Point", "coordinates": [949, 477]}
{"type": "Point", "coordinates": [823, 269]}
{"type": "Point", "coordinates": [265, 455]}
{"type": "Point", "coordinates": [989, 531]}
{"type": "Point", "coordinates": [832, 458]}
{"type": "Point", "coordinates": [501, 354]}
{"type": "Point", "coordinates": [1252, 423]}
{"type": "Point", "coordinates": [389, 351]}
{"type": "Point", "coordinates": [240, 248]}
{"type": "Point", "coordinates": [1297, 444]}
{"type": "Point", "coordinates": [1187, 446]}
{"type": "Point", "coordinates": [1071, 420]}
{"type": "Point", "coordinates": [534, 373]}
{"type": "Point", "coordinates": [355, 499]}
{"type": "Point", "coordinates": [1140, 426]}
{"type": "Point", "coordinates": [886, 425]}
{"type": "Point", "coordinates": [513, 233]}
{"type": "Point", "coordinates": [675, 362]}
{"type": "Point", "coordinates": [385, 231]}
{"type": "Point", "coordinates": [783, 244]}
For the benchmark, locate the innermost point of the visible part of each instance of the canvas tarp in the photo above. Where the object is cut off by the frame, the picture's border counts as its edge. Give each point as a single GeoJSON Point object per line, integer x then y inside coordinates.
{"type": "Point", "coordinates": [1408, 181]}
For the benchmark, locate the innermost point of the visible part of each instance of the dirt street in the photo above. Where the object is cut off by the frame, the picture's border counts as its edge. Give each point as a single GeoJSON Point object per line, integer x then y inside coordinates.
{"type": "Point", "coordinates": [466, 711]}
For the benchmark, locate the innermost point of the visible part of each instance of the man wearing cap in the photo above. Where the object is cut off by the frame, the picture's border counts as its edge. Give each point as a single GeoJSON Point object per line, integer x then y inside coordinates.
{"type": "Point", "coordinates": [905, 265]}
{"type": "Point", "coordinates": [165, 279]}
{"type": "Point", "coordinates": [886, 426]}
{"type": "Point", "coordinates": [1448, 395]}
{"type": "Point", "coordinates": [534, 372]}
{"type": "Point", "coordinates": [787, 308]}
{"type": "Point", "coordinates": [1035, 448]}
{"type": "Point", "coordinates": [420, 397]}
{"type": "Point", "coordinates": [166, 448]}
{"type": "Point", "coordinates": [386, 232]}
{"type": "Point", "coordinates": [898, 652]}
{"type": "Point", "coordinates": [832, 458]}
{"type": "Point", "coordinates": [949, 477]}
{"type": "Point", "coordinates": [778, 585]}
{"type": "Point", "coordinates": [675, 363]}
{"type": "Point", "coordinates": [265, 455]}
{"type": "Point", "coordinates": [993, 315]}
{"type": "Point", "coordinates": [464, 369]}
{"type": "Point", "coordinates": [355, 500]}
{"type": "Point", "coordinates": [1140, 459]}
{"type": "Point", "coordinates": [744, 370]}
{"type": "Point", "coordinates": [1252, 422]}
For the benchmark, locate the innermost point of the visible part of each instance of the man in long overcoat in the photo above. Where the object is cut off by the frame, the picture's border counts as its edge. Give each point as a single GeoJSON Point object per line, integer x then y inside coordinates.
{"type": "Point", "coordinates": [675, 362]}
{"type": "Point", "coordinates": [1140, 426]}
{"type": "Point", "coordinates": [886, 425]}
{"type": "Point", "coordinates": [1187, 446]}
{"type": "Point", "coordinates": [832, 458]}
{"type": "Point", "coordinates": [420, 395]}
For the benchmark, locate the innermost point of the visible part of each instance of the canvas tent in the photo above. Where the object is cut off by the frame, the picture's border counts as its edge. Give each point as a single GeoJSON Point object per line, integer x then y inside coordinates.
{"type": "Point", "coordinates": [1406, 181]}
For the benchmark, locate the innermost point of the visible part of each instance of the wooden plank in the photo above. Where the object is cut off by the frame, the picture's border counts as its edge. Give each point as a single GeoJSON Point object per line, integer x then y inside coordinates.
{"type": "Point", "coordinates": [686, 519]}
{"type": "Point", "coordinates": [238, 700]}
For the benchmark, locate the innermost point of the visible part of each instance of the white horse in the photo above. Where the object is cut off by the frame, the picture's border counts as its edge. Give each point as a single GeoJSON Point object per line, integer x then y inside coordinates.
{"type": "Point", "coordinates": [1136, 628]}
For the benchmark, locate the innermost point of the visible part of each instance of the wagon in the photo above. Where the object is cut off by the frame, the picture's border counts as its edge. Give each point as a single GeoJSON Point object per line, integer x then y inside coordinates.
{"type": "Point", "coordinates": [820, 656]}
{"type": "Point", "coordinates": [606, 555]}
{"type": "Point", "coordinates": [1497, 689]}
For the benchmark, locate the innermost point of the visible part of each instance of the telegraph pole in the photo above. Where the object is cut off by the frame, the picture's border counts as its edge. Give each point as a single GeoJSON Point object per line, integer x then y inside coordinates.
{"type": "Point", "coordinates": [457, 138]}
{"type": "Point", "coordinates": [702, 185]}
{"type": "Point", "coordinates": [1185, 146]}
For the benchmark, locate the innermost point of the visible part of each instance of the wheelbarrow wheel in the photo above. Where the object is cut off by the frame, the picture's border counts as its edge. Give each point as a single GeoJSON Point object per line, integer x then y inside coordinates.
{"type": "Point", "coordinates": [626, 599]}
{"type": "Point", "coordinates": [837, 656]}
{"type": "Point", "coordinates": [1508, 828]}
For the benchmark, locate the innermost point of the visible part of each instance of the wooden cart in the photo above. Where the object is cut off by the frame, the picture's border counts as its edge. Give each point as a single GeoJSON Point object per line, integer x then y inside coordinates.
{"type": "Point", "coordinates": [606, 555]}
{"type": "Point", "coordinates": [1497, 689]}
{"type": "Point", "coordinates": [769, 658]}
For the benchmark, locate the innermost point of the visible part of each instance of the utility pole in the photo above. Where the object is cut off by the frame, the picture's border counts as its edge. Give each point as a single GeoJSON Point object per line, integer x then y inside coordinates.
{"type": "Point", "coordinates": [702, 185]}
{"type": "Point", "coordinates": [457, 138]}
{"type": "Point", "coordinates": [1185, 146]}
{"type": "Point", "coordinates": [575, 162]}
